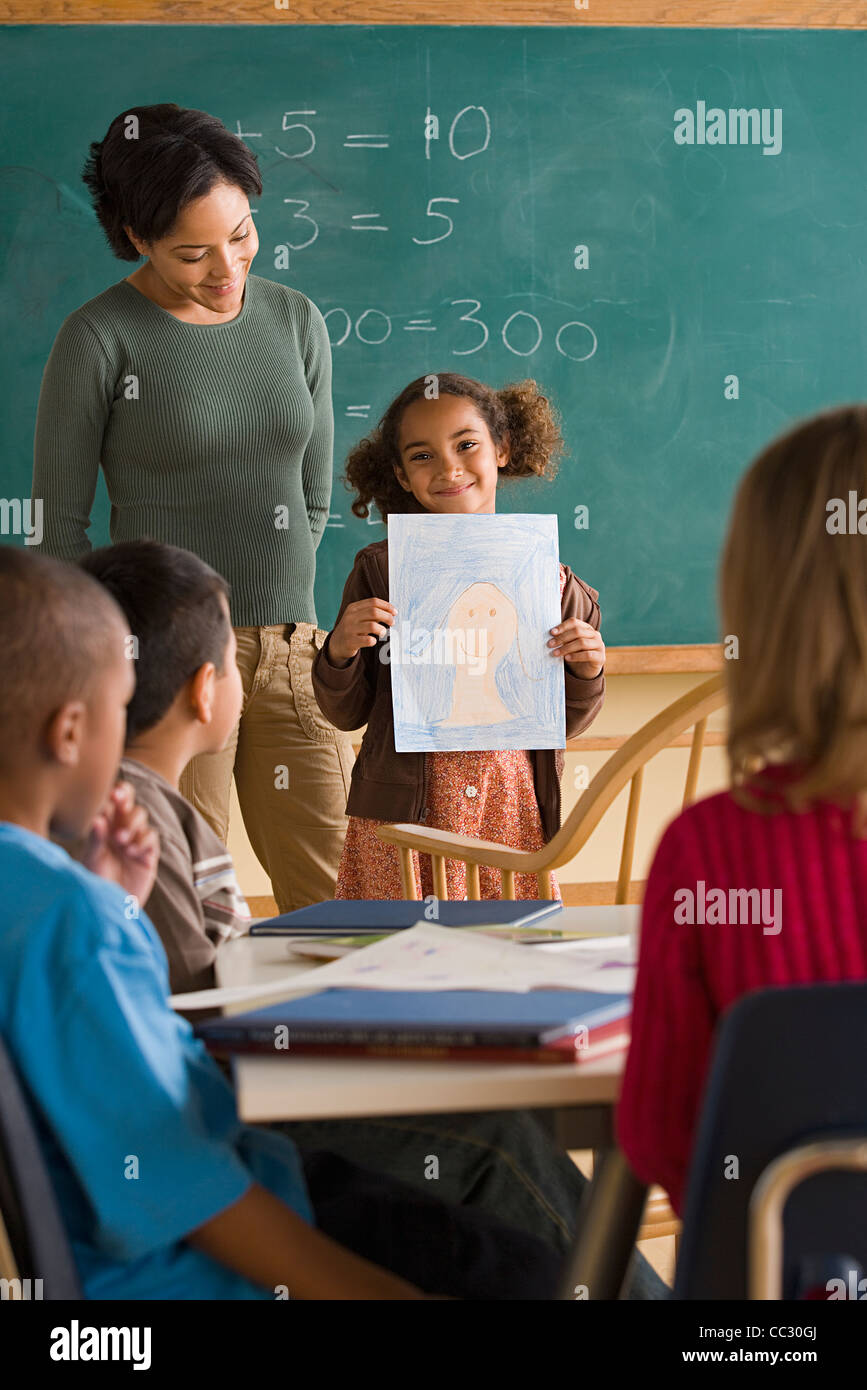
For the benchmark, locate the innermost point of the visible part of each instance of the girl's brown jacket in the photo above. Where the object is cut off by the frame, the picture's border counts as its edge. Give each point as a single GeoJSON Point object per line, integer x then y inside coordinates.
{"type": "Point", "coordinates": [391, 786]}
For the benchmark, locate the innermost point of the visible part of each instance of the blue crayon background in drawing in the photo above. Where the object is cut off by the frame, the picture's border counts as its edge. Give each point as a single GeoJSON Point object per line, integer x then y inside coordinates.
{"type": "Point", "coordinates": [432, 560]}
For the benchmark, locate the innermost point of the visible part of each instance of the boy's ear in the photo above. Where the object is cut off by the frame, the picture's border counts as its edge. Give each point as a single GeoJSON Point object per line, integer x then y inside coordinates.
{"type": "Point", "coordinates": [202, 692]}
{"type": "Point", "coordinates": [62, 735]}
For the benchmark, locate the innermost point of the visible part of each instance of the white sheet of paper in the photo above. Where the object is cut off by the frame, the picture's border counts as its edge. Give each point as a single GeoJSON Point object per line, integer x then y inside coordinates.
{"type": "Point", "coordinates": [269, 991]}
{"type": "Point", "coordinates": [429, 957]}
{"type": "Point", "coordinates": [476, 598]}
{"type": "Point", "coordinates": [608, 965]}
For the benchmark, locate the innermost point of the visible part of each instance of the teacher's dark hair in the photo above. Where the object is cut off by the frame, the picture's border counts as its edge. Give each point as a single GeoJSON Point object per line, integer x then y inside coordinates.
{"type": "Point", "coordinates": [153, 162]}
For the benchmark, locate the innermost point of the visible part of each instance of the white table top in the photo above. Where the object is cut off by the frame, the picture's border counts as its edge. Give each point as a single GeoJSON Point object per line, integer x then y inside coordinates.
{"type": "Point", "coordinates": [306, 1088]}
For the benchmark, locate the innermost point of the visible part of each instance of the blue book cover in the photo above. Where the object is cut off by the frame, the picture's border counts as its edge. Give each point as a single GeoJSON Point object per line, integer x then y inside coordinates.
{"type": "Point", "coordinates": [448, 1018]}
{"type": "Point", "coordinates": [350, 916]}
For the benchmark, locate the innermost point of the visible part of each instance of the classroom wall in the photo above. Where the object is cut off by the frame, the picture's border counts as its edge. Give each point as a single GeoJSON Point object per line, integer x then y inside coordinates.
{"type": "Point", "coordinates": [630, 701]}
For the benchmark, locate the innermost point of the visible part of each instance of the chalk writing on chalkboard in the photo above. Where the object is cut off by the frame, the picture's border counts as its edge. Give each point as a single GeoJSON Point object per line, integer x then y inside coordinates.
{"type": "Point", "coordinates": [522, 332]}
{"type": "Point", "coordinates": [469, 134]}
{"type": "Point", "coordinates": [366, 142]}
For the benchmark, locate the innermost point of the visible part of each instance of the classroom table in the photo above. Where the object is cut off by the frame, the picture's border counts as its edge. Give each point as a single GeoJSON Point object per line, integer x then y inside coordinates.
{"type": "Point", "coordinates": [576, 1103]}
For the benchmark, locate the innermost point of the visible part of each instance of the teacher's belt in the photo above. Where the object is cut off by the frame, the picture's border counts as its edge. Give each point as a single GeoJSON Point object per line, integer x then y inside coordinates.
{"type": "Point", "coordinates": [282, 629]}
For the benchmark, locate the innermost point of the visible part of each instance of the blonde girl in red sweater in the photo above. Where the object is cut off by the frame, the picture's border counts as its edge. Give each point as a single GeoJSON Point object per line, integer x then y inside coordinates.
{"type": "Point", "coordinates": [766, 883]}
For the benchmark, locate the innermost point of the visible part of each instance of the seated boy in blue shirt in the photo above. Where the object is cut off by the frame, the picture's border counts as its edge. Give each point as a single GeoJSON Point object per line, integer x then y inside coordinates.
{"type": "Point", "coordinates": [164, 1193]}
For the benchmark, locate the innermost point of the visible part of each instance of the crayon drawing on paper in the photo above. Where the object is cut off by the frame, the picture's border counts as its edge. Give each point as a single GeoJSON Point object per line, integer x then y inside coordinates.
{"type": "Point", "coordinates": [476, 597]}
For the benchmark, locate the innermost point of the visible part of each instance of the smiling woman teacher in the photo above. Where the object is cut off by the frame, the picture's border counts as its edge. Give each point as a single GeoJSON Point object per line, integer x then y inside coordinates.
{"type": "Point", "coordinates": [204, 392]}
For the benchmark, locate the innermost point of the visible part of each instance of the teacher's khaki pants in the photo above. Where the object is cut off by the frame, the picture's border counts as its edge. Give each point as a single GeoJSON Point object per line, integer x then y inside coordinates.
{"type": "Point", "coordinates": [291, 767]}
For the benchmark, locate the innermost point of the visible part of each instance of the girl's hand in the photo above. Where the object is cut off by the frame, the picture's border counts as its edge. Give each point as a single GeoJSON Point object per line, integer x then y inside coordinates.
{"type": "Point", "coordinates": [362, 625]}
{"type": "Point", "coordinates": [122, 846]}
{"type": "Point", "coordinates": [580, 646]}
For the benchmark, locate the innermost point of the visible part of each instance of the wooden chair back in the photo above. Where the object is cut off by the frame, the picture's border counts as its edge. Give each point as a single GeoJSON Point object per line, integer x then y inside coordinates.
{"type": "Point", "coordinates": [626, 765]}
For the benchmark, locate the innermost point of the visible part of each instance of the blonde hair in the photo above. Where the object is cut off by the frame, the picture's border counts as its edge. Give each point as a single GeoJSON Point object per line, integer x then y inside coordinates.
{"type": "Point", "coordinates": [794, 594]}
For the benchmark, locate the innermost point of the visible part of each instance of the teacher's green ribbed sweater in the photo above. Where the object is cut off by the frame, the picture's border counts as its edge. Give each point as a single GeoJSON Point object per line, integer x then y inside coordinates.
{"type": "Point", "coordinates": [214, 437]}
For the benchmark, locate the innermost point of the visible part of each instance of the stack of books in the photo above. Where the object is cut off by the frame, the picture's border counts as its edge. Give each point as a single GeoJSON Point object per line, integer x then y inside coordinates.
{"type": "Point", "coordinates": [544, 1025]}
{"type": "Point", "coordinates": [540, 1025]}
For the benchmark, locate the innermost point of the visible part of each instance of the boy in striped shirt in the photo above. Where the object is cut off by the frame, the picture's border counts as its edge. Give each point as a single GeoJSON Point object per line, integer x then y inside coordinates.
{"type": "Point", "coordinates": [187, 701]}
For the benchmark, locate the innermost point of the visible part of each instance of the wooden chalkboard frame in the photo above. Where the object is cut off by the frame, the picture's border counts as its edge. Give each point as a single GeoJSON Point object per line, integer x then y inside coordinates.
{"type": "Point", "coordinates": [705, 14]}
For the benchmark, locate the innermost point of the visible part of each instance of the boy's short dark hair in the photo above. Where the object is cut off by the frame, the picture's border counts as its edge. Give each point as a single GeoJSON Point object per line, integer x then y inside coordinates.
{"type": "Point", "coordinates": [171, 600]}
{"type": "Point", "coordinates": [59, 633]}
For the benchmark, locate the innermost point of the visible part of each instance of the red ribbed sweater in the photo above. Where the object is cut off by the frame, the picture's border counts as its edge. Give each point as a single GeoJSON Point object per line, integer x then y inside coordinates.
{"type": "Point", "coordinates": [687, 974]}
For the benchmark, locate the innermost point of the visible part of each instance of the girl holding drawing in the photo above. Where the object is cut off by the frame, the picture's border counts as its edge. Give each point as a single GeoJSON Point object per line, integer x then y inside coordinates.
{"type": "Point", "coordinates": [442, 447]}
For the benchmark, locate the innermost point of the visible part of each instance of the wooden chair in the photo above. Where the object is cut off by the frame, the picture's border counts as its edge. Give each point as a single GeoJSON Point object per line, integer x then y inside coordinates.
{"type": "Point", "coordinates": [626, 765]}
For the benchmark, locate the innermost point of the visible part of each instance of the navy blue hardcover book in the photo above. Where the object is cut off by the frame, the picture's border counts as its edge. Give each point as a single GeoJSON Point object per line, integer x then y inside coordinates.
{"type": "Point", "coordinates": [355, 917]}
{"type": "Point", "coordinates": [456, 1019]}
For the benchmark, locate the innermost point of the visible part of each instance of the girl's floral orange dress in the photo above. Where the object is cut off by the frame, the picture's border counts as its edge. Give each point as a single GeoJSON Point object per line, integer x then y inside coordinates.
{"type": "Point", "coordinates": [486, 795]}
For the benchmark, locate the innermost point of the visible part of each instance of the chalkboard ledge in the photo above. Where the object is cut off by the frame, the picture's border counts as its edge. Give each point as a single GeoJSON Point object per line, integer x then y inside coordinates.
{"type": "Point", "coordinates": [663, 661]}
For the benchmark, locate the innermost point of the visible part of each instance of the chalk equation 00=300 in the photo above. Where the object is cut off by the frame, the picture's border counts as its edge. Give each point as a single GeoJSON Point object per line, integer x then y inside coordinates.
{"type": "Point", "coordinates": [521, 333]}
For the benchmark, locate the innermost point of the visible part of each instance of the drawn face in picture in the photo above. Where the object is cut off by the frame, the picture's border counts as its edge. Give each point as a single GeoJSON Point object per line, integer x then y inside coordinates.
{"type": "Point", "coordinates": [483, 623]}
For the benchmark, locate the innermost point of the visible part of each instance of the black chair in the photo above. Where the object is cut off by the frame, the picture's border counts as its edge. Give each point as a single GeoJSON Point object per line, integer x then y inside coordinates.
{"type": "Point", "coordinates": [785, 1108]}
{"type": "Point", "coordinates": [33, 1241]}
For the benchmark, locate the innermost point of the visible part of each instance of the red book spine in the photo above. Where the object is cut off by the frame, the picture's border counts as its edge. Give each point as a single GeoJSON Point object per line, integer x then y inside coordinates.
{"type": "Point", "coordinates": [608, 1038]}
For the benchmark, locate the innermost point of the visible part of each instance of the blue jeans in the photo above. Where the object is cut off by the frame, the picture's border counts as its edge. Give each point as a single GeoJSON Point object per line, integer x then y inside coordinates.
{"type": "Point", "coordinates": [500, 1161]}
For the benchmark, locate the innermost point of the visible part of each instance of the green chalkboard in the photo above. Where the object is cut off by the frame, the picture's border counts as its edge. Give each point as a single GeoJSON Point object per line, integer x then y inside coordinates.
{"type": "Point", "coordinates": [452, 246]}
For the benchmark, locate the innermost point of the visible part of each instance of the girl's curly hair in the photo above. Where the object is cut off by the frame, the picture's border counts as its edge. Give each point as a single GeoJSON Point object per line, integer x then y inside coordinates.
{"type": "Point", "coordinates": [517, 415]}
